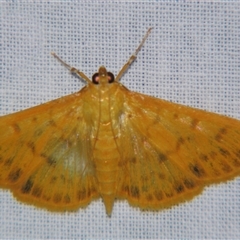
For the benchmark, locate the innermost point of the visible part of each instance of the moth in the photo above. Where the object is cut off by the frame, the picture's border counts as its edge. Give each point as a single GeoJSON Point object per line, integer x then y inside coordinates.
{"type": "Point", "coordinates": [108, 142]}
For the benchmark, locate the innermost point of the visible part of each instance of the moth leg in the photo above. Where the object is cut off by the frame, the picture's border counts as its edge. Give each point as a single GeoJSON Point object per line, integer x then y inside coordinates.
{"type": "Point", "coordinates": [72, 69]}
{"type": "Point", "coordinates": [132, 57]}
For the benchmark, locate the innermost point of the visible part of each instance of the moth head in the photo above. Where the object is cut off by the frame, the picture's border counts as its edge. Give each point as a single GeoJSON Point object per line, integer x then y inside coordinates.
{"type": "Point", "coordinates": [102, 76]}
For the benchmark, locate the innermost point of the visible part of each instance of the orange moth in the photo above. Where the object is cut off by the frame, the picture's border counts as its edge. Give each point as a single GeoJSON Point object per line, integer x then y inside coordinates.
{"type": "Point", "coordinates": [106, 141]}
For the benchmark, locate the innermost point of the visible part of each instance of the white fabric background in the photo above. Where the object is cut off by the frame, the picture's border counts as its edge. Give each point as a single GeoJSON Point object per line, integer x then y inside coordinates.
{"type": "Point", "coordinates": [191, 57]}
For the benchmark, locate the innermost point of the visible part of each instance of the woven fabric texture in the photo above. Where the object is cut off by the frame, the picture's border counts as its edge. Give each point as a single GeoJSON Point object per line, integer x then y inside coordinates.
{"type": "Point", "coordinates": [191, 57]}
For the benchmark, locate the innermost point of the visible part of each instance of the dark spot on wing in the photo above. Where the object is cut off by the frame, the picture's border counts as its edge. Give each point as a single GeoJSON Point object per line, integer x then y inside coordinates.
{"type": "Point", "coordinates": [37, 191]}
{"type": "Point", "coordinates": [88, 193]}
{"type": "Point", "coordinates": [63, 178]}
{"type": "Point", "coordinates": [162, 157]}
{"type": "Point", "coordinates": [196, 170]}
{"type": "Point", "coordinates": [133, 160]}
{"type": "Point", "coordinates": [238, 153]}
{"type": "Point", "coordinates": [66, 199]}
{"type": "Point", "coordinates": [175, 116]}
{"type": "Point", "coordinates": [236, 162]}
{"type": "Point", "coordinates": [82, 194]}
{"type": "Point", "coordinates": [169, 194]}
{"type": "Point", "coordinates": [213, 154]}
{"type": "Point", "coordinates": [216, 172]}
{"type": "Point", "coordinates": [57, 197]}
{"type": "Point", "coordinates": [15, 175]}
{"type": "Point", "coordinates": [38, 132]}
{"type": "Point", "coordinates": [121, 163]}
{"type": "Point", "coordinates": [220, 134]}
{"type": "Point", "coordinates": [224, 152]}
{"type": "Point", "coordinates": [26, 188]}
{"type": "Point", "coordinates": [144, 188]}
{"type": "Point", "coordinates": [45, 197]}
{"type": "Point", "coordinates": [16, 128]}
{"type": "Point", "coordinates": [149, 197]}
{"type": "Point", "coordinates": [194, 123]}
{"type": "Point", "coordinates": [53, 179]}
{"type": "Point", "coordinates": [52, 123]}
{"type": "Point", "coordinates": [157, 119]}
{"type": "Point", "coordinates": [190, 138]}
{"type": "Point", "coordinates": [67, 142]}
{"type": "Point", "coordinates": [203, 157]}
{"type": "Point", "coordinates": [162, 176]}
{"type": "Point", "coordinates": [179, 188]}
{"type": "Point", "coordinates": [8, 162]}
{"type": "Point", "coordinates": [126, 189]}
{"type": "Point", "coordinates": [189, 183]}
{"type": "Point", "coordinates": [225, 167]}
{"type": "Point", "coordinates": [31, 145]}
{"type": "Point", "coordinates": [144, 178]}
{"type": "Point", "coordinates": [93, 190]}
{"type": "Point", "coordinates": [43, 155]}
{"type": "Point", "coordinates": [218, 137]}
{"type": "Point", "coordinates": [158, 195]}
{"type": "Point", "coordinates": [51, 161]}
{"type": "Point", "coordinates": [180, 142]}
{"type": "Point", "coordinates": [223, 130]}
{"type": "Point", "coordinates": [34, 119]}
{"type": "Point", "coordinates": [135, 191]}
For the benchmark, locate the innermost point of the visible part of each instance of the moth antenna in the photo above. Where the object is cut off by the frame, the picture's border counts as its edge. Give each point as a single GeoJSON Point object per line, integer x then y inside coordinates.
{"type": "Point", "coordinates": [72, 69]}
{"type": "Point", "coordinates": [133, 56]}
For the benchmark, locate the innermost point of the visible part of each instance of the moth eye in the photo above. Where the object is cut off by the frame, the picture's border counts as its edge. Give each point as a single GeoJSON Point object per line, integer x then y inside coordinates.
{"type": "Point", "coordinates": [111, 77]}
{"type": "Point", "coordinates": [95, 78]}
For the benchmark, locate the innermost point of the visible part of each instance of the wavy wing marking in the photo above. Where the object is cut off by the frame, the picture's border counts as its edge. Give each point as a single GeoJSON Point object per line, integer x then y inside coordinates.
{"type": "Point", "coordinates": [170, 151]}
{"type": "Point", "coordinates": [45, 155]}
